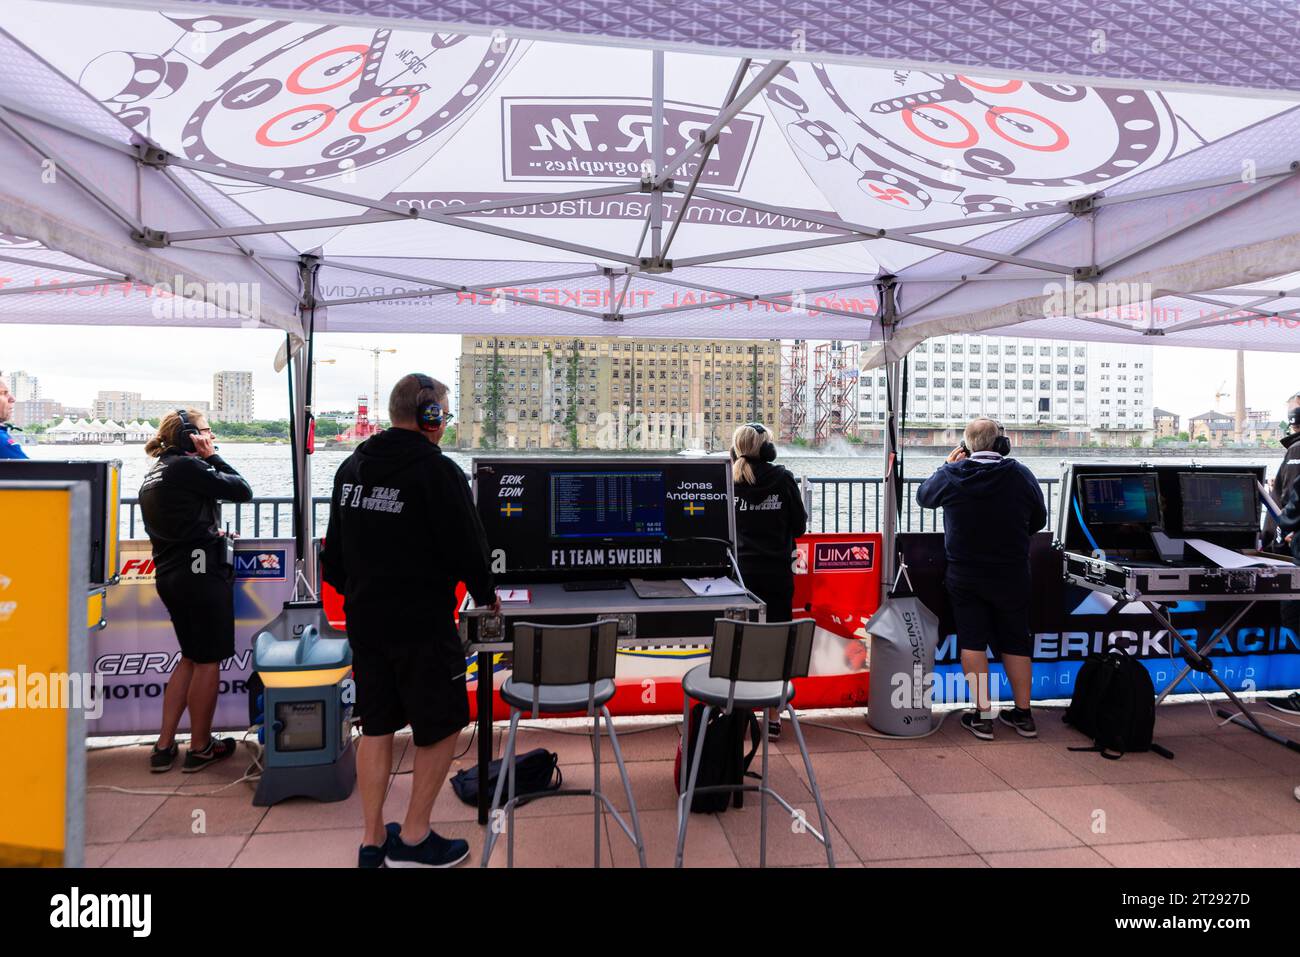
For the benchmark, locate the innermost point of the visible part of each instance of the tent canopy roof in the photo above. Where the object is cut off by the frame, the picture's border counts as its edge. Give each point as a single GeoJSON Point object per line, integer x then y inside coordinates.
{"type": "Point", "coordinates": [473, 173]}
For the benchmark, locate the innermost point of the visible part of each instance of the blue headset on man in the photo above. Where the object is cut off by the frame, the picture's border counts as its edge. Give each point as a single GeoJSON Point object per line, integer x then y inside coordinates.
{"type": "Point", "coordinates": [430, 415]}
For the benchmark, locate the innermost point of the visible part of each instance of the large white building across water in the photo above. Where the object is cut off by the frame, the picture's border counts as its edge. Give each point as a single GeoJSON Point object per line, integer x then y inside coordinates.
{"type": "Point", "coordinates": [1021, 382]}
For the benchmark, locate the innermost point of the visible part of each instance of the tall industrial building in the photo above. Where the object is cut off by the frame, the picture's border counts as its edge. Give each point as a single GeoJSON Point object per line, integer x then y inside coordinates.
{"type": "Point", "coordinates": [23, 386]}
{"type": "Point", "coordinates": [543, 392]}
{"type": "Point", "coordinates": [1025, 383]}
{"type": "Point", "coordinates": [232, 396]}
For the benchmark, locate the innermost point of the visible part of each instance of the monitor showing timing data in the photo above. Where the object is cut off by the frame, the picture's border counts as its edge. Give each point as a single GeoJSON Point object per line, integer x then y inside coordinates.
{"type": "Point", "coordinates": [1219, 501]}
{"type": "Point", "coordinates": [614, 504]}
{"type": "Point", "coordinates": [1121, 499]}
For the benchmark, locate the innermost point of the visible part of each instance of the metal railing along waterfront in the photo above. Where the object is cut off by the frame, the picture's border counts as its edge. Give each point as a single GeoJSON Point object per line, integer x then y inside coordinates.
{"type": "Point", "coordinates": [834, 505]}
{"type": "Point", "coordinates": [854, 505]}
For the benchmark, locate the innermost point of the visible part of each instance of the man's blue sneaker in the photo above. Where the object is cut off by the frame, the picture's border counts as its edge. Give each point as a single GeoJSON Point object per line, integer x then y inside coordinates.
{"type": "Point", "coordinates": [373, 855]}
{"type": "Point", "coordinates": [433, 851]}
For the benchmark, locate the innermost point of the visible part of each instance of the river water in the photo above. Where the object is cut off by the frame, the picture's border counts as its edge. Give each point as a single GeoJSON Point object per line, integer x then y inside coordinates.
{"type": "Point", "coordinates": [268, 467]}
{"type": "Point", "coordinates": [843, 507]}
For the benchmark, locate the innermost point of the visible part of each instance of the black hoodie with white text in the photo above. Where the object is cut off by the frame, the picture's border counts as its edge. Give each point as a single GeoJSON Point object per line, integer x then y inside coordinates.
{"type": "Point", "coordinates": [403, 532]}
{"type": "Point", "coordinates": [769, 517]}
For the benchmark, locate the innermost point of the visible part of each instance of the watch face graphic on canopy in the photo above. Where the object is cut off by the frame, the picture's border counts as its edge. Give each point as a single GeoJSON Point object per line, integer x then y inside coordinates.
{"type": "Point", "coordinates": [981, 145]}
{"type": "Point", "coordinates": [296, 101]}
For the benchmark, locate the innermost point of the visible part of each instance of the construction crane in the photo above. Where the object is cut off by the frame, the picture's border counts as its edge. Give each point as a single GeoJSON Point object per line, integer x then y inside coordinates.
{"type": "Point", "coordinates": [1220, 395]}
{"type": "Point", "coordinates": [376, 351]}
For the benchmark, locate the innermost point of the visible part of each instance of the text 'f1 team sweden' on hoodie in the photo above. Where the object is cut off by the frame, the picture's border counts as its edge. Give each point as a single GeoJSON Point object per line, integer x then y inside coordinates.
{"type": "Point", "coordinates": [769, 517]}
{"type": "Point", "coordinates": [991, 506]}
{"type": "Point", "coordinates": [403, 532]}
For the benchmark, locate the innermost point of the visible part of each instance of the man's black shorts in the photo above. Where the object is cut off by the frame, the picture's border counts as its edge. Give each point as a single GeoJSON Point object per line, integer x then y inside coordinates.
{"type": "Point", "coordinates": [202, 609]}
{"type": "Point", "coordinates": [992, 615]}
{"type": "Point", "coordinates": [416, 683]}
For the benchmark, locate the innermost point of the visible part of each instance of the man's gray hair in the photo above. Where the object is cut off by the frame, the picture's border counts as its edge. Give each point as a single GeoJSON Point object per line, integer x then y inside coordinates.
{"type": "Point", "coordinates": [408, 395]}
{"type": "Point", "coordinates": [981, 433]}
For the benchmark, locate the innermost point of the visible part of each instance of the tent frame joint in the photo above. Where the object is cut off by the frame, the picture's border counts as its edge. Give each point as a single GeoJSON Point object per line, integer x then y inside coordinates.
{"type": "Point", "coordinates": [1082, 273]}
{"type": "Point", "coordinates": [1084, 204]}
{"type": "Point", "coordinates": [653, 265]}
{"type": "Point", "coordinates": [650, 186]}
{"type": "Point", "coordinates": [151, 238]}
{"type": "Point", "coordinates": [147, 154]}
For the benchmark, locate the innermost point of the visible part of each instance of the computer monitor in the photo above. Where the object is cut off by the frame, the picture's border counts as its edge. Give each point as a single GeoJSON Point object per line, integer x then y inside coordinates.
{"type": "Point", "coordinates": [614, 504]}
{"type": "Point", "coordinates": [1219, 501]}
{"type": "Point", "coordinates": [1120, 499]}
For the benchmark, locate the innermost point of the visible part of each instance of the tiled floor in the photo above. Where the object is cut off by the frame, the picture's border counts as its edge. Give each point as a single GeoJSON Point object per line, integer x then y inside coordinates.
{"type": "Point", "coordinates": [947, 800]}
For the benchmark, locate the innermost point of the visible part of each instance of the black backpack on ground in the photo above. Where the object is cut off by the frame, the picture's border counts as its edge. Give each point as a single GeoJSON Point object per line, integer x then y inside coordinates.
{"type": "Point", "coordinates": [1114, 703]}
{"type": "Point", "coordinates": [535, 770]}
{"type": "Point", "coordinates": [725, 760]}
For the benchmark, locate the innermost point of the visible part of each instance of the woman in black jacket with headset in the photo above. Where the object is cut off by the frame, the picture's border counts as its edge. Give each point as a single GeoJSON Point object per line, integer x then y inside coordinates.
{"type": "Point", "coordinates": [769, 517]}
{"type": "Point", "coordinates": [194, 573]}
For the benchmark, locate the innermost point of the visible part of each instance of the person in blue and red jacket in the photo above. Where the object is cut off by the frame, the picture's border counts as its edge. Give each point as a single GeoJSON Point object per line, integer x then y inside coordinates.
{"type": "Point", "coordinates": [9, 447]}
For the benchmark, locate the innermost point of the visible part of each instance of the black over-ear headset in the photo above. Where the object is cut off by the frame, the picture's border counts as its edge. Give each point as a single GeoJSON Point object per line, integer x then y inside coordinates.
{"type": "Point", "coordinates": [185, 442]}
{"type": "Point", "coordinates": [429, 415]}
{"type": "Point", "coordinates": [766, 451]}
{"type": "Point", "coordinates": [1001, 445]}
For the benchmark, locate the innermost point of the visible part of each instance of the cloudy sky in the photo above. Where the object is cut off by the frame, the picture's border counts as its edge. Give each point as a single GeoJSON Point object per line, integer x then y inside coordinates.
{"type": "Point", "coordinates": [74, 362]}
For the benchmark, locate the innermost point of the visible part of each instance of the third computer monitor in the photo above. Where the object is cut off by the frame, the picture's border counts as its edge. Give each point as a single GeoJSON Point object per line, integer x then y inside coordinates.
{"type": "Point", "coordinates": [1219, 501]}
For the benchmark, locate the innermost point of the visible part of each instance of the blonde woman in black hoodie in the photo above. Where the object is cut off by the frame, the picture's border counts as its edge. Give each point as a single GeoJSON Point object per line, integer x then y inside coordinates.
{"type": "Point", "coordinates": [769, 517]}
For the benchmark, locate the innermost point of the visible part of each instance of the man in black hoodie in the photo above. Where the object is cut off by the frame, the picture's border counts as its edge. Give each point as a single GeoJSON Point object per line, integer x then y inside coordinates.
{"type": "Point", "coordinates": [1283, 540]}
{"type": "Point", "coordinates": [403, 532]}
{"type": "Point", "coordinates": [992, 505]}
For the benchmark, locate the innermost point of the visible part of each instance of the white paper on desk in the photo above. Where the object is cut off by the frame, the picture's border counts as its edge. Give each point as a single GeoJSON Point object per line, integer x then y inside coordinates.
{"type": "Point", "coordinates": [1227, 558]}
{"type": "Point", "coordinates": [514, 594]}
{"type": "Point", "coordinates": [713, 587]}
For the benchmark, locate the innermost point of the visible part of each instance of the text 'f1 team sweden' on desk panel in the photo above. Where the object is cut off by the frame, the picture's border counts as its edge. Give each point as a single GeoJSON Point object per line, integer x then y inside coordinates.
{"type": "Point", "coordinates": [563, 518]}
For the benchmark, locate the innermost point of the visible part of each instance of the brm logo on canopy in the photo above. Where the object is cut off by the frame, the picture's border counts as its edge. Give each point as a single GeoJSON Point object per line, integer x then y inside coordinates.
{"type": "Point", "coordinates": [608, 139]}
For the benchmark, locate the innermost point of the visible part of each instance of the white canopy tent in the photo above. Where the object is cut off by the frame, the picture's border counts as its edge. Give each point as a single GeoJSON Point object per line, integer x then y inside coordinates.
{"type": "Point", "coordinates": [358, 166]}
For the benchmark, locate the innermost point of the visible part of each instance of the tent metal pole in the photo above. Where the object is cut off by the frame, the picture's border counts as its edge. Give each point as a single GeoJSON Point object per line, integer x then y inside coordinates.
{"type": "Point", "coordinates": [306, 579]}
{"type": "Point", "coordinates": [1223, 316]}
{"type": "Point", "coordinates": [60, 267]}
{"type": "Point", "coordinates": [657, 152]}
{"type": "Point", "coordinates": [725, 115]}
{"type": "Point", "coordinates": [247, 251]}
{"type": "Point", "coordinates": [888, 289]}
{"type": "Point", "coordinates": [48, 287]}
{"type": "Point", "coordinates": [948, 292]}
{"type": "Point", "coordinates": [42, 149]}
{"type": "Point", "coordinates": [1186, 224]}
{"type": "Point", "coordinates": [856, 232]}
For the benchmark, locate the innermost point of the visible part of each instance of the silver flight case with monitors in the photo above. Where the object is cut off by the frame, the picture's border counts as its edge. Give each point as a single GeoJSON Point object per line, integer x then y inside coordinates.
{"type": "Point", "coordinates": [1124, 530]}
{"type": "Point", "coordinates": [1136, 561]}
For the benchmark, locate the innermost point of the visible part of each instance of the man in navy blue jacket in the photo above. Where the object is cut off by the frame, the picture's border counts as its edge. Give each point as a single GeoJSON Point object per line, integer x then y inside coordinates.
{"type": "Point", "coordinates": [992, 505]}
{"type": "Point", "coordinates": [9, 447]}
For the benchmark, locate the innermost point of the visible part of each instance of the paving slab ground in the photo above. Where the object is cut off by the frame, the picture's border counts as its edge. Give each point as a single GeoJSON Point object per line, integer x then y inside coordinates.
{"type": "Point", "coordinates": [948, 800]}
